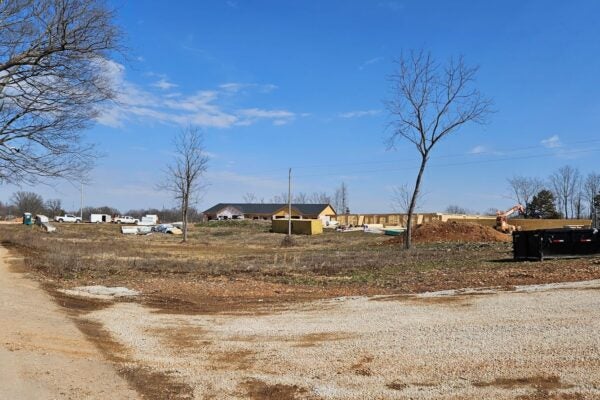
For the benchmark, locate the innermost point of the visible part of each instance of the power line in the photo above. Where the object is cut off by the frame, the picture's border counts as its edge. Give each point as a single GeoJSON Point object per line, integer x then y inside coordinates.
{"type": "Point", "coordinates": [448, 156]}
{"type": "Point", "coordinates": [474, 162]}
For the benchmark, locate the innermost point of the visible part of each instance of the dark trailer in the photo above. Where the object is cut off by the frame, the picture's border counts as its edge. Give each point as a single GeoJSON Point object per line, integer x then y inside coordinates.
{"type": "Point", "coordinates": [556, 243]}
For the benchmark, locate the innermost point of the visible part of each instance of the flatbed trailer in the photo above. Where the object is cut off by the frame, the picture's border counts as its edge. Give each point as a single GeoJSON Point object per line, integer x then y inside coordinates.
{"type": "Point", "coordinates": [556, 243]}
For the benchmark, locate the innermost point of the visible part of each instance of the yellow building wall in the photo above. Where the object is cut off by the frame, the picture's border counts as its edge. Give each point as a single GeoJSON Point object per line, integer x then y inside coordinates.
{"type": "Point", "coordinates": [299, 226]}
{"type": "Point", "coordinates": [401, 219]}
{"type": "Point", "coordinates": [327, 211]}
{"type": "Point", "coordinates": [284, 212]}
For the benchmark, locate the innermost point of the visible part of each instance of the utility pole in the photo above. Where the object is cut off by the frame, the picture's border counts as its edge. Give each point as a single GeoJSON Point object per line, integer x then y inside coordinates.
{"type": "Point", "coordinates": [81, 208]}
{"type": "Point", "coordinates": [290, 204]}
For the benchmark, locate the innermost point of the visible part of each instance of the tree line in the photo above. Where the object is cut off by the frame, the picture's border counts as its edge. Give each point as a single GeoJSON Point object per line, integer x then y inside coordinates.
{"type": "Point", "coordinates": [22, 202]}
{"type": "Point", "coordinates": [565, 193]}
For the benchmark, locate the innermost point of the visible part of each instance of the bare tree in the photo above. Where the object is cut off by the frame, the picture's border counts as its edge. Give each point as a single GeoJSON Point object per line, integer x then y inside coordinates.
{"type": "Point", "coordinates": [184, 177]}
{"type": "Point", "coordinates": [280, 198]}
{"type": "Point", "coordinates": [319, 198]}
{"type": "Point", "coordinates": [591, 188]}
{"type": "Point", "coordinates": [524, 188]}
{"type": "Point", "coordinates": [401, 197]}
{"type": "Point", "coordinates": [340, 199]}
{"type": "Point", "coordinates": [430, 102]}
{"type": "Point", "coordinates": [27, 202]}
{"type": "Point", "coordinates": [301, 198]}
{"type": "Point", "coordinates": [565, 182]}
{"type": "Point", "coordinates": [53, 75]}
{"type": "Point", "coordinates": [54, 207]}
{"type": "Point", "coordinates": [577, 203]}
{"type": "Point", "coordinates": [249, 198]}
{"type": "Point", "coordinates": [456, 209]}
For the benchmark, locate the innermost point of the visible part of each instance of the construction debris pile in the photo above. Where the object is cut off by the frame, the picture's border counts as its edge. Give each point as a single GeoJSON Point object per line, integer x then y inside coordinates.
{"type": "Point", "coordinates": [454, 232]}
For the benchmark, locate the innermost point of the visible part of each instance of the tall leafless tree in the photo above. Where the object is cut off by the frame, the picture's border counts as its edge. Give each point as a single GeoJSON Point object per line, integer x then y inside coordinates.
{"type": "Point", "coordinates": [524, 188]}
{"type": "Point", "coordinates": [402, 196]}
{"type": "Point", "coordinates": [249, 197]}
{"type": "Point", "coordinates": [565, 182]}
{"type": "Point", "coordinates": [184, 177]}
{"type": "Point", "coordinates": [280, 198]}
{"type": "Point", "coordinates": [319, 198]}
{"type": "Point", "coordinates": [578, 203]}
{"type": "Point", "coordinates": [53, 75]}
{"type": "Point", "coordinates": [301, 198]}
{"type": "Point", "coordinates": [340, 199]}
{"type": "Point", "coordinates": [53, 207]}
{"type": "Point", "coordinates": [430, 102]}
{"type": "Point", "coordinates": [591, 189]}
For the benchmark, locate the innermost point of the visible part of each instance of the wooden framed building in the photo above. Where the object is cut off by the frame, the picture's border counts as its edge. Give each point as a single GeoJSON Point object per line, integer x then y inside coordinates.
{"type": "Point", "coordinates": [268, 211]}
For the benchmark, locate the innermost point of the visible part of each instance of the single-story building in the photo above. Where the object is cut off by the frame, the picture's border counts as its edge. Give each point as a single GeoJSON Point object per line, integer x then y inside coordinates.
{"type": "Point", "coordinates": [268, 211]}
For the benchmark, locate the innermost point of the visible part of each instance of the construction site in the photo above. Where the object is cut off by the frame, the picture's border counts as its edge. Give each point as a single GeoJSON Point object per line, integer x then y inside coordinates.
{"type": "Point", "coordinates": [299, 200]}
{"type": "Point", "coordinates": [233, 314]}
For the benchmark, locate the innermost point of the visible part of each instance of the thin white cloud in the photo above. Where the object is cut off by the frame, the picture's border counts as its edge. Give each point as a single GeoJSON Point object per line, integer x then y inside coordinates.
{"type": "Point", "coordinates": [478, 150]}
{"type": "Point", "coordinates": [371, 61]}
{"type": "Point", "coordinates": [236, 87]}
{"type": "Point", "coordinates": [391, 5]}
{"type": "Point", "coordinates": [164, 84]}
{"type": "Point", "coordinates": [553, 142]}
{"type": "Point", "coordinates": [279, 117]}
{"type": "Point", "coordinates": [258, 113]}
{"type": "Point", "coordinates": [359, 113]}
{"type": "Point", "coordinates": [201, 108]}
{"type": "Point", "coordinates": [233, 86]}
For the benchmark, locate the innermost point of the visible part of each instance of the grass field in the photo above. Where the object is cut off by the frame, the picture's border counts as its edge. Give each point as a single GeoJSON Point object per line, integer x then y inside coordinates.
{"type": "Point", "coordinates": [228, 266]}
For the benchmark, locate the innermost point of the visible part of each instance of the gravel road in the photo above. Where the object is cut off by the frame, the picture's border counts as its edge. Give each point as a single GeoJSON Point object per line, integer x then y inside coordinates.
{"type": "Point", "coordinates": [533, 342]}
{"type": "Point", "coordinates": [42, 353]}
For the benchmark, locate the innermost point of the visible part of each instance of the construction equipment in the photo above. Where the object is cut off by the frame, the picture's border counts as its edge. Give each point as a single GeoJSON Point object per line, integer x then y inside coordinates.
{"type": "Point", "coordinates": [502, 224]}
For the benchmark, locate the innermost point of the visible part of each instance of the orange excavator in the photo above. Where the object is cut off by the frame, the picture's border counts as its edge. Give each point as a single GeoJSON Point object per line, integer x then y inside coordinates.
{"type": "Point", "coordinates": [502, 224]}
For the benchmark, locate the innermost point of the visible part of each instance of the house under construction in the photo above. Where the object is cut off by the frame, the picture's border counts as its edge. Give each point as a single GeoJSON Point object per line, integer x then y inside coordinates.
{"type": "Point", "coordinates": [269, 211]}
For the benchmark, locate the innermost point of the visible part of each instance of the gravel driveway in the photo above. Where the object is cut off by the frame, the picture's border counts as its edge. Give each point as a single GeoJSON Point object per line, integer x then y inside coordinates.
{"type": "Point", "coordinates": [532, 342]}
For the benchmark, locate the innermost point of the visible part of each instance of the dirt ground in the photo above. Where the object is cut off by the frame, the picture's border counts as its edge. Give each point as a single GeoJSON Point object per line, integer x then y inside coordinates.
{"type": "Point", "coordinates": [232, 314]}
{"type": "Point", "coordinates": [42, 353]}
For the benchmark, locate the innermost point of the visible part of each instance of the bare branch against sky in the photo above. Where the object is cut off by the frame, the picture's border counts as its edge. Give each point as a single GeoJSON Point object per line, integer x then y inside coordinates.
{"type": "Point", "coordinates": [184, 175]}
{"type": "Point", "coordinates": [429, 102]}
{"type": "Point", "coordinates": [53, 59]}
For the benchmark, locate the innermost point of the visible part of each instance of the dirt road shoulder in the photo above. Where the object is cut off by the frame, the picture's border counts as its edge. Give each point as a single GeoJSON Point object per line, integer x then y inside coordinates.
{"type": "Point", "coordinates": [42, 353]}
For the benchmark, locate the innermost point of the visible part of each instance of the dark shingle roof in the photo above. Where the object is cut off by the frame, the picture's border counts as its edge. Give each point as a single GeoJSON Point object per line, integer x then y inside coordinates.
{"type": "Point", "coordinates": [268, 208]}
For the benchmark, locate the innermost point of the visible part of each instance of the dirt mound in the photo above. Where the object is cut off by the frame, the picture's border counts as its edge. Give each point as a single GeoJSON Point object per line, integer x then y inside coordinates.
{"type": "Point", "coordinates": [455, 232]}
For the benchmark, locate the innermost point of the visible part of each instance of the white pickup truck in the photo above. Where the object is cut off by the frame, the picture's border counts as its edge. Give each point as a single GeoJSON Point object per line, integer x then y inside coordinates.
{"type": "Point", "coordinates": [67, 218]}
{"type": "Point", "coordinates": [125, 219]}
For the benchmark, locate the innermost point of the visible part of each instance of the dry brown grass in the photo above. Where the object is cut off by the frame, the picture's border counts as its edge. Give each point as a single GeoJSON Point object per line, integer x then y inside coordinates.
{"type": "Point", "coordinates": [237, 265]}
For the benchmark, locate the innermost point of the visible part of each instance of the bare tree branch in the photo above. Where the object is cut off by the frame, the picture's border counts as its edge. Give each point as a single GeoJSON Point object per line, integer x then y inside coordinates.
{"type": "Point", "coordinates": [565, 182]}
{"type": "Point", "coordinates": [184, 176]}
{"type": "Point", "coordinates": [429, 102]}
{"type": "Point", "coordinates": [524, 188]}
{"type": "Point", "coordinates": [53, 64]}
{"type": "Point", "coordinates": [402, 196]}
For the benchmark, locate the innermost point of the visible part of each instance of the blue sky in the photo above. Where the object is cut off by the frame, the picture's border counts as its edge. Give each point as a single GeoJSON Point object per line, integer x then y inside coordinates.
{"type": "Point", "coordinates": [302, 84]}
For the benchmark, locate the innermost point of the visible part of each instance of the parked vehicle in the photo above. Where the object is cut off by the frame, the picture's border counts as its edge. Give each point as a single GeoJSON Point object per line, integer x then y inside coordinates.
{"type": "Point", "coordinates": [98, 218]}
{"type": "Point", "coordinates": [126, 219]}
{"type": "Point", "coordinates": [67, 218]}
{"type": "Point", "coordinates": [149, 219]}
